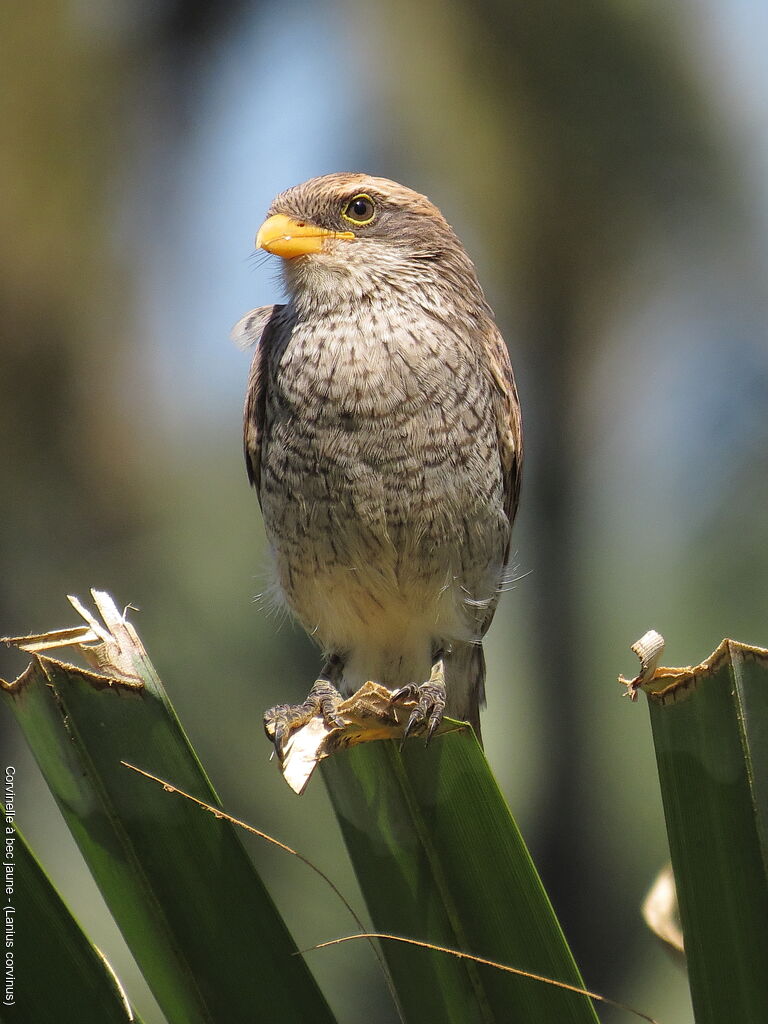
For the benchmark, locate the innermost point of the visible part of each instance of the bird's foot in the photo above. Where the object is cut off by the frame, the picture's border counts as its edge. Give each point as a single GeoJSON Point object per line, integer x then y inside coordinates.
{"type": "Point", "coordinates": [284, 719]}
{"type": "Point", "coordinates": [430, 706]}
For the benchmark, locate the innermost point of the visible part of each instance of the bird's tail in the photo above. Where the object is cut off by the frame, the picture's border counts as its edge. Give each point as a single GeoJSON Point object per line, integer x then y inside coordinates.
{"type": "Point", "coordinates": [465, 683]}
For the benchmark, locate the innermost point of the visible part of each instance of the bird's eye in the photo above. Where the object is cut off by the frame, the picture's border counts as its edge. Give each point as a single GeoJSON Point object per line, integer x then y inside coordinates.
{"type": "Point", "coordinates": [359, 210]}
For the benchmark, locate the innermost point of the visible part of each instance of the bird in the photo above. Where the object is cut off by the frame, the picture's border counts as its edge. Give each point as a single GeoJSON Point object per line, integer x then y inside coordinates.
{"type": "Point", "coordinates": [383, 436]}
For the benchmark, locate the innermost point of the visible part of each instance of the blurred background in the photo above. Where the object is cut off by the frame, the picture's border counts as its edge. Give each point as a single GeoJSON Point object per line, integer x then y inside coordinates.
{"type": "Point", "coordinates": [606, 164]}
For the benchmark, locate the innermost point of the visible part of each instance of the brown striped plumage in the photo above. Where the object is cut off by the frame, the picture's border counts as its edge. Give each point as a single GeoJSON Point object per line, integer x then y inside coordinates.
{"type": "Point", "coordinates": [383, 435]}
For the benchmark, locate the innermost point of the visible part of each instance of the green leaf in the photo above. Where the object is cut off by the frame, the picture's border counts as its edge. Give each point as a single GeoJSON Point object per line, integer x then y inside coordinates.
{"type": "Point", "coordinates": [59, 974]}
{"type": "Point", "coordinates": [710, 730]}
{"type": "Point", "coordinates": [178, 881]}
{"type": "Point", "coordinates": [439, 858]}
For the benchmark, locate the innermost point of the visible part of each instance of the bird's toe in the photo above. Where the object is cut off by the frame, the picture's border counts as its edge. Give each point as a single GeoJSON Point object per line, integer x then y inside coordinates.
{"type": "Point", "coordinates": [281, 721]}
{"type": "Point", "coordinates": [428, 712]}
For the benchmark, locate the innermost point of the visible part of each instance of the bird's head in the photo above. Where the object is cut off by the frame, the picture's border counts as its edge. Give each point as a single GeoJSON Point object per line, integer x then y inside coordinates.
{"type": "Point", "coordinates": [350, 234]}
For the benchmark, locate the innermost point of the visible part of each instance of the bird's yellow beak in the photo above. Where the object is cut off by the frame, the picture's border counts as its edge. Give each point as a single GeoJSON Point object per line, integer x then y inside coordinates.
{"type": "Point", "coordinates": [289, 238]}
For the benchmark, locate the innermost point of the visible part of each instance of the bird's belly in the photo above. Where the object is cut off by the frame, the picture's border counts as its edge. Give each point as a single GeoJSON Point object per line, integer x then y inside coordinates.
{"type": "Point", "coordinates": [385, 514]}
{"type": "Point", "coordinates": [369, 546]}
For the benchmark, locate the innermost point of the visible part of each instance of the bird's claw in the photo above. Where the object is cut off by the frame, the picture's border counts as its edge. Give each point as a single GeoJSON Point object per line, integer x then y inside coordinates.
{"type": "Point", "coordinates": [429, 710]}
{"type": "Point", "coordinates": [284, 719]}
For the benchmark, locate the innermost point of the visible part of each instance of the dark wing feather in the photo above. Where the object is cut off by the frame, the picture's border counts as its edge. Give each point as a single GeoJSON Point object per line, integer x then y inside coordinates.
{"type": "Point", "coordinates": [257, 326]}
{"type": "Point", "coordinates": [509, 423]}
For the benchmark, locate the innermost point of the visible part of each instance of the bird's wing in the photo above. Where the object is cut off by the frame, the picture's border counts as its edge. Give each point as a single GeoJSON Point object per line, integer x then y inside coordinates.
{"type": "Point", "coordinates": [509, 423]}
{"type": "Point", "coordinates": [249, 330]}
{"type": "Point", "coordinates": [256, 327]}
